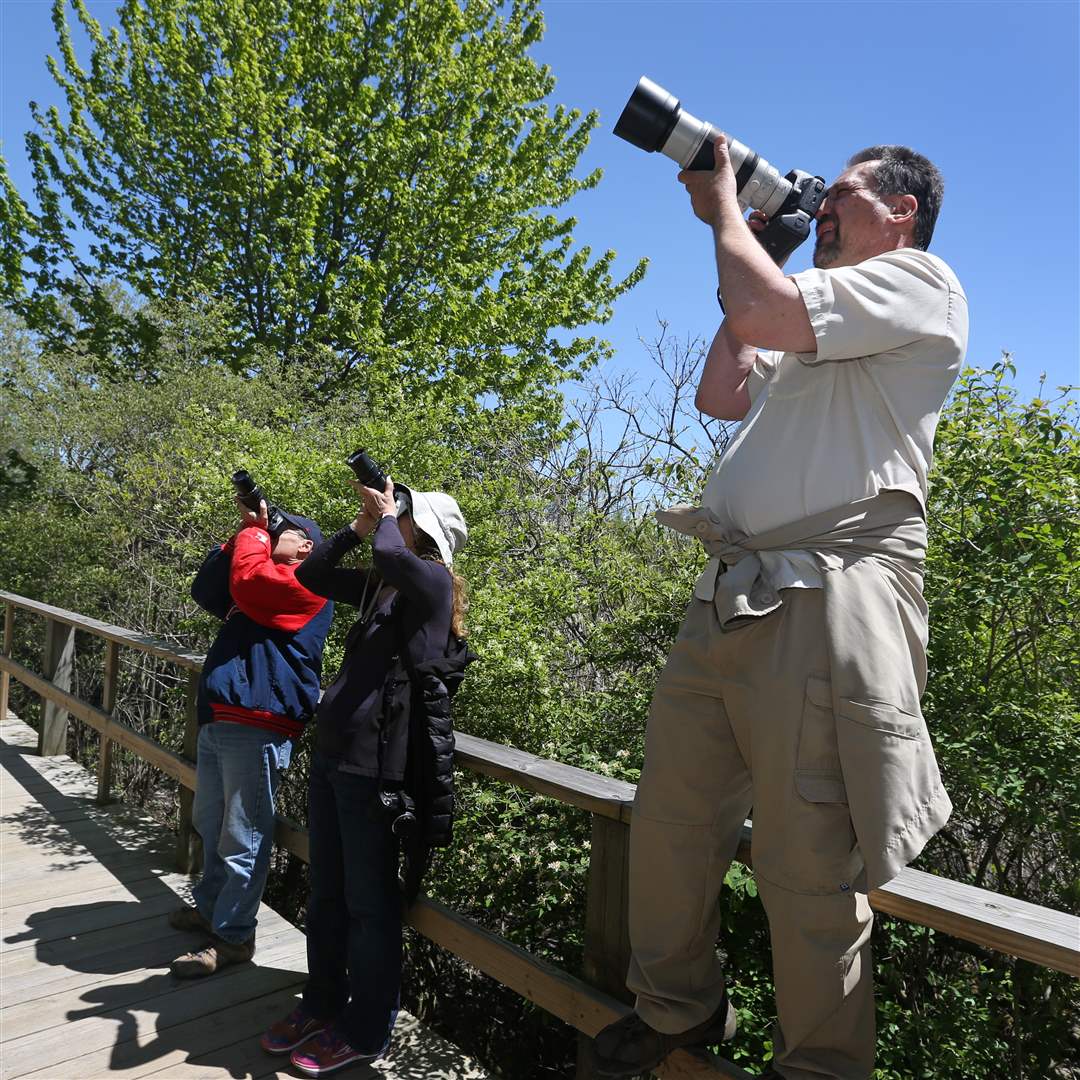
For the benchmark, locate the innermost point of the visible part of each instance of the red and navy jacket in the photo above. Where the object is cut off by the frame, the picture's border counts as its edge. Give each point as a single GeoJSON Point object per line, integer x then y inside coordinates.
{"type": "Point", "coordinates": [265, 664]}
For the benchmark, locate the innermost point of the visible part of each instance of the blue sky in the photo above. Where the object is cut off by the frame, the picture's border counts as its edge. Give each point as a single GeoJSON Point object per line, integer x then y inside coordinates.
{"type": "Point", "coordinates": [989, 91]}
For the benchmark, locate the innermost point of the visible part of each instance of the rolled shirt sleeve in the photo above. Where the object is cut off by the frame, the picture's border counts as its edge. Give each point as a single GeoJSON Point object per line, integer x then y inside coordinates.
{"type": "Point", "coordinates": [876, 307]}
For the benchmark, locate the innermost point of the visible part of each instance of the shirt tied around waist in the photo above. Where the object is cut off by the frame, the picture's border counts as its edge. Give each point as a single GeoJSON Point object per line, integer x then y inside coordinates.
{"type": "Point", "coordinates": [888, 526]}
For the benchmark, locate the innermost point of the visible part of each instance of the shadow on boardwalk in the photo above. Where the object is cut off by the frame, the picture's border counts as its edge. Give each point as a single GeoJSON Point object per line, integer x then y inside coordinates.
{"type": "Point", "coordinates": [86, 948]}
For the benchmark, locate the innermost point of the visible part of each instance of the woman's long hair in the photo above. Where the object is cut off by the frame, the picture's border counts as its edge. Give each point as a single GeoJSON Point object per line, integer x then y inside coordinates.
{"type": "Point", "coordinates": [460, 602]}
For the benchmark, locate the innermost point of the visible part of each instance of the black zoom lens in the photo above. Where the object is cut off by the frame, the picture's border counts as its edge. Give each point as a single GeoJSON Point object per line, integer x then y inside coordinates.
{"type": "Point", "coordinates": [250, 494]}
{"type": "Point", "coordinates": [366, 471]}
{"type": "Point", "coordinates": [247, 491]}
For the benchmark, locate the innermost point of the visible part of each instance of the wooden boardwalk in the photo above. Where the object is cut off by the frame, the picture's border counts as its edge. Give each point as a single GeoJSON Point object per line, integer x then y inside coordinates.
{"type": "Point", "coordinates": [85, 989]}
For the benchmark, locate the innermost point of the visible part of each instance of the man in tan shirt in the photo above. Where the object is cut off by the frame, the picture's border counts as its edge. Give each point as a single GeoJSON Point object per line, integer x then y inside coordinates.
{"type": "Point", "coordinates": [793, 687]}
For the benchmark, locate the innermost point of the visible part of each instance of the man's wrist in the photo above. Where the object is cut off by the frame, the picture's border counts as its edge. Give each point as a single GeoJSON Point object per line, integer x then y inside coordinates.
{"type": "Point", "coordinates": [728, 211]}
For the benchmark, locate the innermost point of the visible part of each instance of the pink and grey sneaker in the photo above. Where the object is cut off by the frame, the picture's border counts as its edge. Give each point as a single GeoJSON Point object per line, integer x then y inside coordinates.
{"type": "Point", "coordinates": [292, 1031]}
{"type": "Point", "coordinates": [328, 1052]}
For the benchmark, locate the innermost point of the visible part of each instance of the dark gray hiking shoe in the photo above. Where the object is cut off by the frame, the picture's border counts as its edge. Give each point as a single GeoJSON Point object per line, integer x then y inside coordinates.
{"type": "Point", "coordinates": [188, 918]}
{"type": "Point", "coordinates": [213, 956]}
{"type": "Point", "coordinates": [629, 1047]}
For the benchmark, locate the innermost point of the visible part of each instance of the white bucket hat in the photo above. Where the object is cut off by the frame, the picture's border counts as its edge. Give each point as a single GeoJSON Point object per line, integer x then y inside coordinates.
{"type": "Point", "coordinates": [438, 515]}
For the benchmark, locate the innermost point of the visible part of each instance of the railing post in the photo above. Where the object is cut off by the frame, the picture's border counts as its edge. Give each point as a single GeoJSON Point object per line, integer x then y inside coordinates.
{"type": "Point", "coordinates": [59, 662]}
{"type": "Point", "coordinates": [607, 935]}
{"type": "Point", "coordinates": [188, 843]}
{"type": "Point", "coordinates": [108, 703]}
{"type": "Point", "coordinates": [9, 638]}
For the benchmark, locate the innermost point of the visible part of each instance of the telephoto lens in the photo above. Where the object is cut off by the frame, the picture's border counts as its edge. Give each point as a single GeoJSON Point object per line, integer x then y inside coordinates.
{"type": "Point", "coordinates": [250, 494]}
{"type": "Point", "coordinates": [367, 472]}
{"type": "Point", "coordinates": [247, 491]}
{"type": "Point", "coordinates": [655, 120]}
{"type": "Point", "coordinates": [370, 475]}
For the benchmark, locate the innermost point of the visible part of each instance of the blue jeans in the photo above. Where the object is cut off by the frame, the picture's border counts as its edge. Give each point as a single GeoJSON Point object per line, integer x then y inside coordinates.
{"type": "Point", "coordinates": [354, 911]}
{"type": "Point", "coordinates": [237, 776]}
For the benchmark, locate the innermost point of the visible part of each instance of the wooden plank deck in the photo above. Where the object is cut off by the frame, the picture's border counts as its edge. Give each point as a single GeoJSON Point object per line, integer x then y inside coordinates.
{"type": "Point", "coordinates": [85, 989]}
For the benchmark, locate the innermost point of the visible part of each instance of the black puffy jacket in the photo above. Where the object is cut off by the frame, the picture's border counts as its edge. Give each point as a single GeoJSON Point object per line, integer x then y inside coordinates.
{"type": "Point", "coordinates": [429, 770]}
{"type": "Point", "coordinates": [418, 725]}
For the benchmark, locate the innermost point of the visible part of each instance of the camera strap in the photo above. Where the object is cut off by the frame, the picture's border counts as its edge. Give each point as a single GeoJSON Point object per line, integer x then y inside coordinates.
{"type": "Point", "coordinates": [368, 603]}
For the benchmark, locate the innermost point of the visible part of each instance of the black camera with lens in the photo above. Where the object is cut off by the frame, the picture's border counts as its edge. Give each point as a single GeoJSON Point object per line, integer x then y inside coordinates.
{"type": "Point", "coordinates": [251, 495]}
{"type": "Point", "coordinates": [366, 470]}
{"type": "Point", "coordinates": [655, 120]}
{"type": "Point", "coordinates": [371, 475]}
{"type": "Point", "coordinates": [399, 810]}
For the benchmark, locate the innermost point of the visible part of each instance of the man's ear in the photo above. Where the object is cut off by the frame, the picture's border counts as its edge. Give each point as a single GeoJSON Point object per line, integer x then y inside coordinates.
{"type": "Point", "coordinates": [306, 546]}
{"type": "Point", "coordinates": [904, 209]}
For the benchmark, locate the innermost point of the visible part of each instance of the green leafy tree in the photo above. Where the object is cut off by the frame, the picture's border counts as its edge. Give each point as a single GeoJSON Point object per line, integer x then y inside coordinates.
{"type": "Point", "coordinates": [1003, 706]}
{"type": "Point", "coordinates": [367, 186]}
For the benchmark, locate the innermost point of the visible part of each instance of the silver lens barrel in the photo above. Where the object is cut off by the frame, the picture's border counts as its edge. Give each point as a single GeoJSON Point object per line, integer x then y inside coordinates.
{"type": "Point", "coordinates": [760, 185]}
{"type": "Point", "coordinates": [654, 120]}
{"type": "Point", "coordinates": [687, 138]}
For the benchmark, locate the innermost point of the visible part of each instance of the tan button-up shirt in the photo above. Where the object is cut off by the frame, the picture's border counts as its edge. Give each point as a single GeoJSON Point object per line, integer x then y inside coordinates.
{"type": "Point", "coordinates": [855, 418]}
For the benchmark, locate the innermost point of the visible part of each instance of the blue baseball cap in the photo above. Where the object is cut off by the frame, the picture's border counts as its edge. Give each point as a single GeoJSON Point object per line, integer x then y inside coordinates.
{"type": "Point", "coordinates": [305, 525]}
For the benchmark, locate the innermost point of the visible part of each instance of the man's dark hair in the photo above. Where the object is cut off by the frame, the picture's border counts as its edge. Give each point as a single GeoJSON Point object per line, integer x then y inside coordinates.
{"type": "Point", "coordinates": [901, 171]}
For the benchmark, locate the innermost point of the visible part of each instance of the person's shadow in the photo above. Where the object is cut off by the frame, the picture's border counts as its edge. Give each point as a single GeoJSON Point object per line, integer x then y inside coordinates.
{"type": "Point", "coordinates": [78, 948]}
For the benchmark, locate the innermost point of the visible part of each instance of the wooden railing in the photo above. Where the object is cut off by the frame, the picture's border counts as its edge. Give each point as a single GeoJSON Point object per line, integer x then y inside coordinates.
{"type": "Point", "coordinates": [1047, 937]}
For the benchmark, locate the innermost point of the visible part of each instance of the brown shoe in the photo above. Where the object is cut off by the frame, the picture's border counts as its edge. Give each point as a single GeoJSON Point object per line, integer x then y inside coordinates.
{"type": "Point", "coordinates": [213, 956]}
{"type": "Point", "coordinates": [630, 1047]}
{"type": "Point", "coordinates": [188, 918]}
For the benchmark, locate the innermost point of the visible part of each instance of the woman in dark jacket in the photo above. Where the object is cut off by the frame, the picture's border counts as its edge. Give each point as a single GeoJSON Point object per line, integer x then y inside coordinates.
{"type": "Point", "coordinates": [410, 604]}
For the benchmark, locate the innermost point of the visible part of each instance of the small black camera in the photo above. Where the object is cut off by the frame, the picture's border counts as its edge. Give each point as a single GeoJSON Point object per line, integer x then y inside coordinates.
{"type": "Point", "coordinates": [250, 494]}
{"type": "Point", "coordinates": [367, 472]}
{"type": "Point", "coordinates": [399, 810]}
{"type": "Point", "coordinates": [371, 475]}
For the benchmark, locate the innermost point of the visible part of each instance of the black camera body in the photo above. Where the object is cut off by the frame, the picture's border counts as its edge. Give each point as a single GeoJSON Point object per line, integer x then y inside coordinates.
{"type": "Point", "coordinates": [250, 494]}
{"type": "Point", "coordinates": [399, 810]}
{"type": "Point", "coordinates": [791, 224]}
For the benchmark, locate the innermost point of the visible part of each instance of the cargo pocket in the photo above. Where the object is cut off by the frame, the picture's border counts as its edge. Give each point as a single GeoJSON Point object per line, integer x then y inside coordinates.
{"type": "Point", "coordinates": [818, 748]}
{"type": "Point", "coordinates": [820, 849]}
{"type": "Point", "coordinates": [820, 787]}
{"type": "Point", "coordinates": [819, 837]}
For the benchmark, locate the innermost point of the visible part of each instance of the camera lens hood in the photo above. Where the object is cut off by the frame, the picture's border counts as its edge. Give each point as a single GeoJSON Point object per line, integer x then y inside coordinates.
{"type": "Point", "coordinates": [366, 471]}
{"type": "Point", "coordinates": [242, 482]}
{"type": "Point", "coordinates": [649, 117]}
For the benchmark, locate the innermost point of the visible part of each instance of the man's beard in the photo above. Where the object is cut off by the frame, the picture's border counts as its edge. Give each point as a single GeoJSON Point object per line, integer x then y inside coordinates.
{"type": "Point", "coordinates": [826, 252]}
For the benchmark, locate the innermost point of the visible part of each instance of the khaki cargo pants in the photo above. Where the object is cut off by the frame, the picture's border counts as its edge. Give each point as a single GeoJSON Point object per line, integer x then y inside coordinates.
{"type": "Point", "coordinates": [744, 719]}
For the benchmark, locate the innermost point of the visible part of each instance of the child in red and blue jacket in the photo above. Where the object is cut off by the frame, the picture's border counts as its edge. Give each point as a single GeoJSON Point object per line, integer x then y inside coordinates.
{"type": "Point", "coordinates": [259, 687]}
